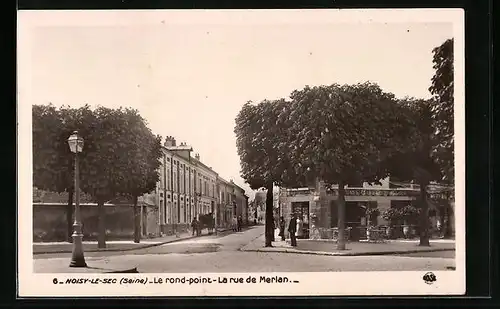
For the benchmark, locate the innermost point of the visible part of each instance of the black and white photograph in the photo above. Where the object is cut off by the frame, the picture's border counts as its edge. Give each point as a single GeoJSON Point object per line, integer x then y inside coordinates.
{"type": "Point", "coordinates": [241, 152]}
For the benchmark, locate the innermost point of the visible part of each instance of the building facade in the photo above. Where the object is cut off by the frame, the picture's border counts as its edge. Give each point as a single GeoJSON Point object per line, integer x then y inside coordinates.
{"type": "Point", "coordinates": [241, 200]}
{"type": "Point", "coordinates": [318, 209]}
{"type": "Point", "coordinates": [188, 188]}
{"type": "Point", "coordinates": [226, 201]}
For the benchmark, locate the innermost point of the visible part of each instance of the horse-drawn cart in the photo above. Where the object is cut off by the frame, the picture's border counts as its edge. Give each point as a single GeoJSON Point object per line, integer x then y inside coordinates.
{"type": "Point", "coordinates": [207, 221]}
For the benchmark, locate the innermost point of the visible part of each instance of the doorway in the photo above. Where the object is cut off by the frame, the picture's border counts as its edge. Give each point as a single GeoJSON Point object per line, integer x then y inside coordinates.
{"type": "Point", "coordinates": [354, 213]}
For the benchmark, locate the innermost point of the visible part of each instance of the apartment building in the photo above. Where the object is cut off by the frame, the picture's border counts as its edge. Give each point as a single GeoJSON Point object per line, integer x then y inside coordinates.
{"type": "Point", "coordinates": [188, 187]}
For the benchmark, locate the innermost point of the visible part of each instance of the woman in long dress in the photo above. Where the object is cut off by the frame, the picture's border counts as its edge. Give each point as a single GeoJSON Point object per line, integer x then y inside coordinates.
{"type": "Point", "coordinates": [300, 231]}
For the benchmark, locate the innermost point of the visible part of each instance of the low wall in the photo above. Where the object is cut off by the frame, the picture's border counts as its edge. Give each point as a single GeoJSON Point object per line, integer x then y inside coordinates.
{"type": "Point", "coordinates": [50, 224]}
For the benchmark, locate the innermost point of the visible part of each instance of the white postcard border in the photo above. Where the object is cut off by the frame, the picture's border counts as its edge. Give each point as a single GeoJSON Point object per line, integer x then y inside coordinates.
{"type": "Point", "coordinates": [334, 283]}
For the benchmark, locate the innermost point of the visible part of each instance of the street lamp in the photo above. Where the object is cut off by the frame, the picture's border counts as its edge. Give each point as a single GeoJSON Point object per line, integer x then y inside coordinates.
{"type": "Point", "coordinates": [75, 143]}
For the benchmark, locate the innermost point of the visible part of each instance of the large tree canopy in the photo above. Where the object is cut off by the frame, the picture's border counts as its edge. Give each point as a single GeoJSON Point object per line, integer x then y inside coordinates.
{"type": "Point", "coordinates": [143, 151]}
{"type": "Point", "coordinates": [343, 133]}
{"type": "Point", "coordinates": [414, 162]}
{"type": "Point", "coordinates": [48, 172]}
{"type": "Point", "coordinates": [261, 143]}
{"type": "Point", "coordinates": [53, 163]}
{"type": "Point", "coordinates": [442, 88]}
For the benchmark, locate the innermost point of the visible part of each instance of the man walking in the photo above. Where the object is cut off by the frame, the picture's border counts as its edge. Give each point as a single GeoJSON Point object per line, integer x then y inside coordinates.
{"type": "Point", "coordinates": [292, 228]}
{"type": "Point", "coordinates": [194, 226]}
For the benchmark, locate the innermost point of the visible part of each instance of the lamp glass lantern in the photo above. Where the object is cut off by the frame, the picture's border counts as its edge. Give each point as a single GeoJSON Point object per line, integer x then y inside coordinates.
{"type": "Point", "coordinates": [75, 143]}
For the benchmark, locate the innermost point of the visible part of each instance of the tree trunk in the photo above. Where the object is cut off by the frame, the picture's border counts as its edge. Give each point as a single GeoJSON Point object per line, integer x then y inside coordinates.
{"type": "Point", "coordinates": [269, 216]}
{"type": "Point", "coordinates": [69, 215]}
{"type": "Point", "coordinates": [341, 215]}
{"type": "Point", "coordinates": [447, 221]}
{"type": "Point", "coordinates": [137, 222]}
{"type": "Point", "coordinates": [101, 237]}
{"type": "Point", "coordinates": [424, 217]}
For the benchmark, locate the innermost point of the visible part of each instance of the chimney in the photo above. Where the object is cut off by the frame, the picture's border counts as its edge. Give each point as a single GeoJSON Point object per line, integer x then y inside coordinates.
{"type": "Point", "coordinates": [197, 156]}
{"type": "Point", "coordinates": [169, 141]}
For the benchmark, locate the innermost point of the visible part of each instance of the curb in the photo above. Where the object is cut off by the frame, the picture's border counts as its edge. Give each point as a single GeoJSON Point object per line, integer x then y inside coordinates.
{"type": "Point", "coordinates": [350, 253]}
{"type": "Point", "coordinates": [251, 241]}
{"type": "Point", "coordinates": [126, 271]}
{"type": "Point", "coordinates": [145, 246]}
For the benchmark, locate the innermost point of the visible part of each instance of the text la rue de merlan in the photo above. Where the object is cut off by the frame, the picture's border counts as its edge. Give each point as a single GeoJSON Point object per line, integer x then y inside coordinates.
{"type": "Point", "coordinates": [176, 280]}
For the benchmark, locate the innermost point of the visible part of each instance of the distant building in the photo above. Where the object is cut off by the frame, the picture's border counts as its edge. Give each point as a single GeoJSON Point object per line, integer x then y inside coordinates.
{"type": "Point", "coordinates": [260, 196]}
{"type": "Point", "coordinates": [227, 202]}
{"type": "Point", "coordinates": [241, 202]}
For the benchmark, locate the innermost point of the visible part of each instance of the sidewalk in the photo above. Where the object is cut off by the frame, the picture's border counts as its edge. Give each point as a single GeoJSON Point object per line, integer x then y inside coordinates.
{"type": "Point", "coordinates": [95, 265]}
{"type": "Point", "coordinates": [321, 247]}
{"type": "Point", "coordinates": [91, 246]}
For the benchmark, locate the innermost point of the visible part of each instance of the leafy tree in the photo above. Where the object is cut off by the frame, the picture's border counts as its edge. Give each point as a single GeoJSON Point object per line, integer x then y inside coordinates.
{"type": "Point", "coordinates": [107, 169]}
{"type": "Point", "coordinates": [261, 141]}
{"type": "Point", "coordinates": [442, 88]}
{"type": "Point", "coordinates": [143, 151]}
{"type": "Point", "coordinates": [341, 133]}
{"type": "Point", "coordinates": [53, 164]}
{"type": "Point", "coordinates": [414, 162]}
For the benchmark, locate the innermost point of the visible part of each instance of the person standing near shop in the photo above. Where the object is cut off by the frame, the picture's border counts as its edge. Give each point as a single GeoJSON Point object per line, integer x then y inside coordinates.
{"type": "Point", "coordinates": [282, 225]}
{"type": "Point", "coordinates": [300, 228]}
{"type": "Point", "coordinates": [292, 228]}
{"type": "Point", "coordinates": [194, 226]}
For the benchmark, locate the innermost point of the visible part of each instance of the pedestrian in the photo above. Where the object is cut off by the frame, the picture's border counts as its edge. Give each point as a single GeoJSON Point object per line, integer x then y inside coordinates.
{"type": "Point", "coordinates": [234, 224]}
{"type": "Point", "coordinates": [282, 224]}
{"type": "Point", "coordinates": [273, 224]}
{"type": "Point", "coordinates": [292, 228]}
{"type": "Point", "coordinates": [240, 222]}
{"type": "Point", "coordinates": [199, 226]}
{"type": "Point", "coordinates": [439, 228]}
{"type": "Point", "coordinates": [194, 225]}
{"type": "Point", "coordinates": [300, 228]}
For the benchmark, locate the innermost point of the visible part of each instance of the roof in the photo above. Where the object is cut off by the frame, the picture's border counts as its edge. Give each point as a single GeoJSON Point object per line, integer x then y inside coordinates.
{"type": "Point", "coordinates": [198, 162]}
{"type": "Point", "coordinates": [174, 148]}
{"type": "Point", "coordinates": [223, 180]}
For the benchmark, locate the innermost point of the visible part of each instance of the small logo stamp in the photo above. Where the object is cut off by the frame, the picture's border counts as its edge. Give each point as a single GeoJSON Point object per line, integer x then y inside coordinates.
{"type": "Point", "coordinates": [429, 278]}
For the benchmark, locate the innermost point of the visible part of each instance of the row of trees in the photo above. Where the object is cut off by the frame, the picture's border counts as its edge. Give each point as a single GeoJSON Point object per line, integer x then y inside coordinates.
{"type": "Point", "coordinates": [120, 156]}
{"type": "Point", "coordinates": [343, 134]}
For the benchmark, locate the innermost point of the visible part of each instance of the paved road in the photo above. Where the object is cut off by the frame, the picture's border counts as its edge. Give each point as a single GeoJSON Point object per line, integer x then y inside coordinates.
{"type": "Point", "coordinates": [220, 254]}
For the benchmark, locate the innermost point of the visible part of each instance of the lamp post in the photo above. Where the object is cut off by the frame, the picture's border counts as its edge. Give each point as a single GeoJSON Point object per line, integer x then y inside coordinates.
{"type": "Point", "coordinates": [75, 143]}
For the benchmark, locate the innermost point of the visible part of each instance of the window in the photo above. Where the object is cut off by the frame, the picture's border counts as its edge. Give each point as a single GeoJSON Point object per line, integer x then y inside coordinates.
{"type": "Point", "coordinates": [175, 180]}
{"type": "Point", "coordinates": [169, 179]}
{"type": "Point", "coordinates": [181, 181]}
{"type": "Point", "coordinates": [184, 182]}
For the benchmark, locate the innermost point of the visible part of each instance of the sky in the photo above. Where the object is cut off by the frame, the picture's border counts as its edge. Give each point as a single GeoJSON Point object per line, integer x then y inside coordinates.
{"type": "Point", "coordinates": [190, 79]}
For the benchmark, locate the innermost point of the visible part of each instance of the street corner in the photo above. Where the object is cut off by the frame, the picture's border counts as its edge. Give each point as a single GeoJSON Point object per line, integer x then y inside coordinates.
{"type": "Point", "coordinates": [328, 248]}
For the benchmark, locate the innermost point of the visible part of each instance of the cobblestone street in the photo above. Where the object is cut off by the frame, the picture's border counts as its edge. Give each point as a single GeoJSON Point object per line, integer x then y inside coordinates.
{"type": "Point", "coordinates": [222, 254]}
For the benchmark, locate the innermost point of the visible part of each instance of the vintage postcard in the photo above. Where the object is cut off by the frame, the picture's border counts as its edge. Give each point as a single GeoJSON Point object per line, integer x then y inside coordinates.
{"type": "Point", "coordinates": [241, 153]}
